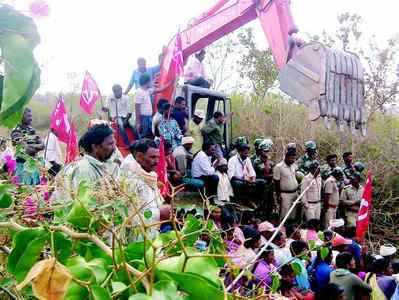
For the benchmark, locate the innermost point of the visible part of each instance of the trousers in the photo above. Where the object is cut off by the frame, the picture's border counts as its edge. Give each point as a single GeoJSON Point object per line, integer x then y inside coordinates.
{"type": "Point", "coordinates": [287, 199]}
{"type": "Point", "coordinates": [313, 211]}
{"type": "Point", "coordinates": [331, 214]}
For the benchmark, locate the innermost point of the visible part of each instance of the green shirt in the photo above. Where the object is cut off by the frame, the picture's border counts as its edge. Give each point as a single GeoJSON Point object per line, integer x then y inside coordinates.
{"type": "Point", "coordinates": [213, 132]}
{"type": "Point", "coordinates": [325, 171]}
{"type": "Point", "coordinates": [261, 171]}
{"type": "Point", "coordinates": [304, 164]}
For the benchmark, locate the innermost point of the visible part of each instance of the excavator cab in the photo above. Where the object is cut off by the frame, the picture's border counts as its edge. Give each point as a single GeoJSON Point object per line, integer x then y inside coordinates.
{"type": "Point", "coordinates": [329, 82]}
{"type": "Point", "coordinates": [209, 101]}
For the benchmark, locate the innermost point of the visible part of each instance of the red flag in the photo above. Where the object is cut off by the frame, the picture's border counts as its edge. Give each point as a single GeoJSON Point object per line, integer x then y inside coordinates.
{"type": "Point", "coordinates": [72, 151]}
{"type": "Point", "coordinates": [363, 218]}
{"type": "Point", "coordinates": [90, 94]}
{"type": "Point", "coordinates": [59, 121]}
{"type": "Point", "coordinates": [177, 59]}
{"type": "Point", "coordinates": [162, 169]}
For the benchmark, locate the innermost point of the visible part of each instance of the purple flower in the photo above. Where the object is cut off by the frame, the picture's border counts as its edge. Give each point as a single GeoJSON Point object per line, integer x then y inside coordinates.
{"type": "Point", "coordinates": [39, 8]}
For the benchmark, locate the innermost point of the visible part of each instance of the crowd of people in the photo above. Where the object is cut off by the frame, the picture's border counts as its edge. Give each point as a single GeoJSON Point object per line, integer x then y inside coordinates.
{"type": "Point", "coordinates": [315, 253]}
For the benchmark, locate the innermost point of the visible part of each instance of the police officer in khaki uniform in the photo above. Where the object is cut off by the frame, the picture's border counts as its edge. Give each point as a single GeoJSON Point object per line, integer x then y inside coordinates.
{"type": "Point", "coordinates": [312, 198]}
{"type": "Point", "coordinates": [351, 198]}
{"type": "Point", "coordinates": [285, 182]}
{"type": "Point", "coordinates": [331, 195]}
{"type": "Point", "coordinates": [326, 169]}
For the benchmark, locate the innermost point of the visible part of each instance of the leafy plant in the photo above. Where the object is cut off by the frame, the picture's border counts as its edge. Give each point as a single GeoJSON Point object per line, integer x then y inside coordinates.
{"type": "Point", "coordinates": [18, 38]}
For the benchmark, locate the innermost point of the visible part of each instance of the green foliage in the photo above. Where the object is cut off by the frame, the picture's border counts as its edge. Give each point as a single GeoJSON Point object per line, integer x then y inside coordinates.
{"type": "Point", "coordinates": [5, 196]}
{"type": "Point", "coordinates": [275, 283]}
{"type": "Point", "coordinates": [324, 251]}
{"type": "Point", "coordinates": [297, 268]}
{"type": "Point", "coordinates": [62, 247]}
{"type": "Point", "coordinates": [100, 293]}
{"type": "Point", "coordinates": [197, 286]}
{"type": "Point", "coordinates": [27, 247]}
{"type": "Point", "coordinates": [256, 65]}
{"type": "Point", "coordinates": [18, 38]}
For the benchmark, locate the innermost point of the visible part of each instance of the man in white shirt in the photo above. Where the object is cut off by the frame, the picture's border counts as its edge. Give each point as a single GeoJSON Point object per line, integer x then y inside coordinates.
{"type": "Point", "coordinates": [52, 153]}
{"type": "Point", "coordinates": [203, 168]}
{"type": "Point", "coordinates": [194, 72]}
{"type": "Point", "coordinates": [242, 174]}
{"type": "Point", "coordinates": [138, 171]}
{"type": "Point", "coordinates": [286, 184]}
{"type": "Point", "coordinates": [119, 110]}
{"type": "Point", "coordinates": [143, 107]}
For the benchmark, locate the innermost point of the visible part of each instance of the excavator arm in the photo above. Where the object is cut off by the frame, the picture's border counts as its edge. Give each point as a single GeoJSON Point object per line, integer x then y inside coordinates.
{"type": "Point", "coordinates": [329, 82]}
{"type": "Point", "coordinates": [223, 18]}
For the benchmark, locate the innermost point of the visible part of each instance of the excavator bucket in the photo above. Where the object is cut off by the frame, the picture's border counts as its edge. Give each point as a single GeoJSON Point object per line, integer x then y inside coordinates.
{"type": "Point", "coordinates": [329, 82]}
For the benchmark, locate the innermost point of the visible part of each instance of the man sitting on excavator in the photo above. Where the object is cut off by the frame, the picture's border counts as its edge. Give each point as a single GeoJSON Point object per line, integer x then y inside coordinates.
{"type": "Point", "coordinates": [194, 72]}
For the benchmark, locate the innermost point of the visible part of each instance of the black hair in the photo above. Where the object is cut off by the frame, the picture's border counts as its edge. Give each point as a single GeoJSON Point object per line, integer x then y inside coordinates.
{"type": "Point", "coordinates": [297, 247]}
{"type": "Point", "coordinates": [328, 235]}
{"type": "Point", "coordinates": [206, 146]}
{"type": "Point", "coordinates": [278, 236]}
{"type": "Point", "coordinates": [251, 235]}
{"type": "Point", "coordinates": [179, 99]}
{"type": "Point", "coordinates": [290, 229]}
{"type": "Point", "coordinates": [330, 292]}
{"type": "Point", "coordinates": [395, 266]}
{"type": "Point", "coordinates": [274, 217]}
{"type": "Point", "coordinates": [167, 145]}
{"type": "Point", "coordinates": [343, 260]}
{"type": "Point", "coordinates": [116, 86]}
{"type": "Point", "coordinates": [217, 114]}
{"type": "Point", "coordinates": [290, 152]}
{"type": "Point", "coordinates": [241, 147]}
{"type": "Point", "coordinates": [95, 135]}
{"type": "Point", "coordinates": [313, 224]}
{"type": "Point", "coordinates": [142, 146]}
{"type": "Point", "coordinates": [346, 154]}
{"type": "Point", "coordinates": [144, 79]}
{"type": "Point", "coordinates": [161, 102]}
{"type": "Point", "coordinates": [286, 270]}
{"type": "Point", "coordinates": [380, 265]}
{"type": "Point", "coordinates": [331, 156]}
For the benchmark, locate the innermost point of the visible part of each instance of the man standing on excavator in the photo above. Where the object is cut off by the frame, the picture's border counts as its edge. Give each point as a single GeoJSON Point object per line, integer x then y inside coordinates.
{"type": "Point", "coordinates": [194, 72]}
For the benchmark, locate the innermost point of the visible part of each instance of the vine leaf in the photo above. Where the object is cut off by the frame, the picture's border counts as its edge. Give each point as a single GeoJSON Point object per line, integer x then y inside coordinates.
{"type": "Point", "coordinates": [27, 247]}
{"type": "Point", "coordinates": [49, 278]}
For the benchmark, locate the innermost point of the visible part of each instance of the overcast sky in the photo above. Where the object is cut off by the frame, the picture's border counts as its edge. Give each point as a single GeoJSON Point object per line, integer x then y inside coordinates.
{"type": "Point", "coordinates": [106, 37]}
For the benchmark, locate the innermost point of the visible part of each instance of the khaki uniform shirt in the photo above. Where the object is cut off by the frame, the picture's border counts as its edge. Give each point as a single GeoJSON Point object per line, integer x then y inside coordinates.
{"type": "Point", "coordinates": [313, 194]}
{"type": "Point", "coordinates": [351, 197]}
{"type": "Point", "coordinates": [331, 188]}
{"type": "Point", "coordinates": [286, 175]}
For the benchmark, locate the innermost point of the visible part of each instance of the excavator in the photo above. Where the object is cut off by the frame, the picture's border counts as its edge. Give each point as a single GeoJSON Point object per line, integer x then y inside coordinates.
{"type": "Point", "coordinates": [328, 81]}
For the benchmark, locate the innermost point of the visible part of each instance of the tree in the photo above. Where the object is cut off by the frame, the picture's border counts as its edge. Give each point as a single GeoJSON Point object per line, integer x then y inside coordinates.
{"type": "Point", "coordinates": [221, 65]}
{"type": "Point", "coordinates": [256, 65]}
